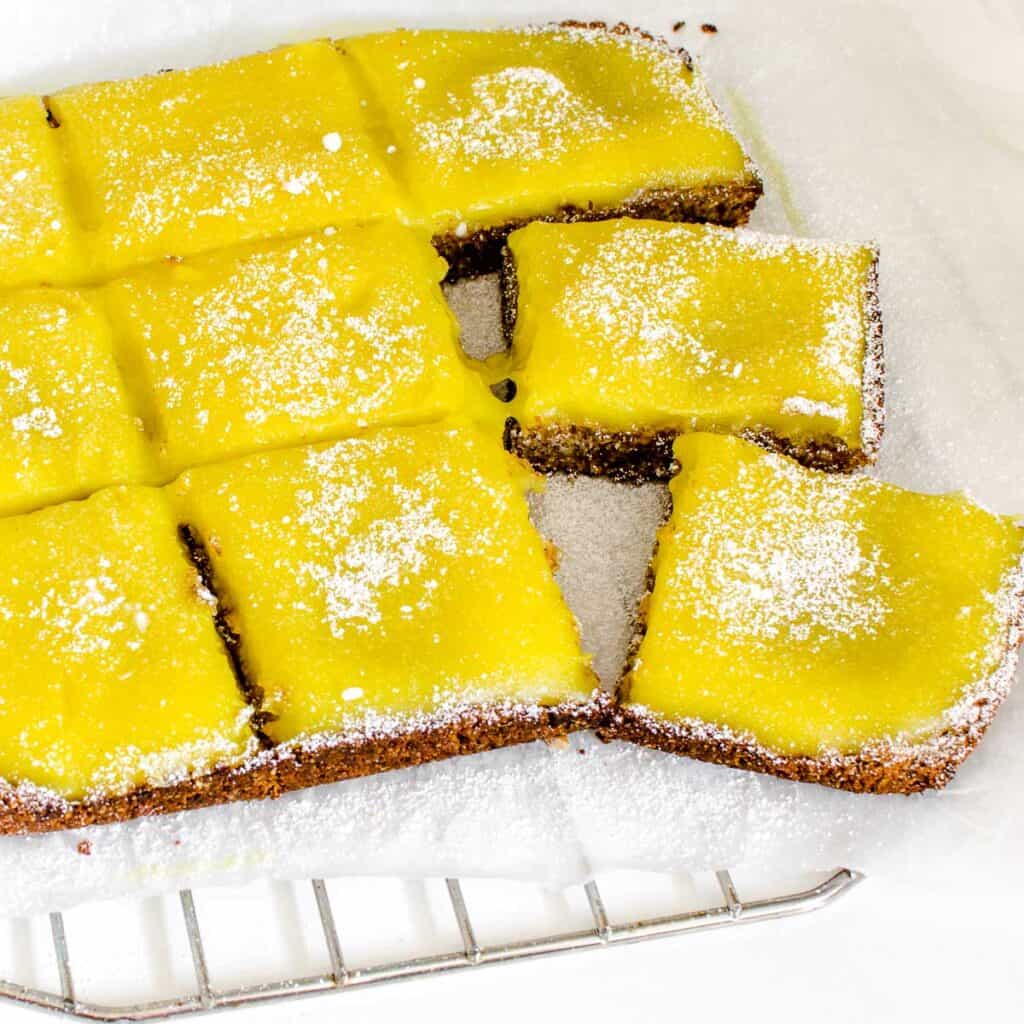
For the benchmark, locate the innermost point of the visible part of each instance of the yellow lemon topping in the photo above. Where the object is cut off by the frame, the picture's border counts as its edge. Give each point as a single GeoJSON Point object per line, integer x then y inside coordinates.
{"type": "Point", "coordinates": [640, 325]}
{"type": "Point", "coordinates": [66, 426]}
{"type": "Point", "coordinates": [385, 578]}
{"type": "Point", "coordinates": [491, 126]}
{"type": "Point", "coordinates": [182, 162]}
{"type": "Point", "coordinates": [112, 673]}
{"type": "Point", "coordinates": [292, 341]}
{"type": "Point", "coordinates": [38, 239]}
{"type": "Point", "coordinates": [813, 613]}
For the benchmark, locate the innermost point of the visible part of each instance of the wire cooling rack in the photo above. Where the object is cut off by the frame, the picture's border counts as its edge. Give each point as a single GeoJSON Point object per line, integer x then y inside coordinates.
{"type": "Point", "coordinates": [731, 911]}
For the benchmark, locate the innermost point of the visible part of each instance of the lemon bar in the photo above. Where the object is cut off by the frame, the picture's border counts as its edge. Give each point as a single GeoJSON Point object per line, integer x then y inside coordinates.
{"type": "Point", "coordinates": [66, 424]}
{"type": "Point", "coordinates": [39, 240]}
{"type": "Point", "coordinates": [494, 128]}
{"type": "Point", "coordinates": [391, 600]}
{"type": "Point", "coordinates": [291, 341]}
{"type": "Point", "coordinates": [117, 696]}
{"type": "Point", "coordinates": [828, 629]}
{"type": "Point", "coordinates": [181, 162]}
{"type": "Point", "coordinates": [625, 333]}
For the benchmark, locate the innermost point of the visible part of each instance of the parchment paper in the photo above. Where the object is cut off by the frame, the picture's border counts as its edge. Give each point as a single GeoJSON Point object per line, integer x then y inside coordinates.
{"type": "Point", "coordinates": [891, 121]}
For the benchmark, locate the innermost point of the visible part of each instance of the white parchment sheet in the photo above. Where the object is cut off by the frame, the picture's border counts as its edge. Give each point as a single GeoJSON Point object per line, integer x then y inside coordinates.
{"type": "Point", "coordinates": [890, 121]}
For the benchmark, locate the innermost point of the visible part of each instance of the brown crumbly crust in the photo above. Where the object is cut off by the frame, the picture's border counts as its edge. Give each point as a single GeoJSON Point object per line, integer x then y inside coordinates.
{"type": "Point", "coordinates": [867, 772]}
{"type": "Point", "coordinates": [632, 456]}
{"type": "Point", "coordinates": [479, 252]}
{"type": "Point", "coordinates": [273, 772]}
{"type": "Point", "coordinates": [882, 769]}
{"type": "Point", "coordinates": [470, 732]}
{"type": "Point", "coordinates": [252, 694]}
{"type": "Point", "coordinates": [37, 811]}
{"type": "Point", "coordinates": [640, 456]}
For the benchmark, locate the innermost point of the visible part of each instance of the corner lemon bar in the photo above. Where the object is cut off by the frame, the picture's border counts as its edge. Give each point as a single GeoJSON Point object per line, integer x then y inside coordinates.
{"type": "Point", "coordinates": [827, 629]}
{"type": "Point", "coordinates": [67, 427]}
{"type": "Point", "coordinates": [625, 333]}
{"type": "Point", "coordinates": [291, 341]}
{"type": "Point", "coordinates": [39, 240]}
{"type": "Point", "coordinates": [494, 128]}
{"type": "Point", "coordinates": [116, 695]}
{"type": "Point", "coordinates": [391, 600]}
{"type": "Point", "coordinates": [186, 161]}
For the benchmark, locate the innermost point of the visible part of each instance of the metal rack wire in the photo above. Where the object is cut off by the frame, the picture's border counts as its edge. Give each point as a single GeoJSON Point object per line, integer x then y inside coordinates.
{"type": "Point", "coordinates": [604, 933]}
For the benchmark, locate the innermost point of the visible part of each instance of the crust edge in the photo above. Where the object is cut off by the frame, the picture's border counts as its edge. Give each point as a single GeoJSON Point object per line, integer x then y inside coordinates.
{"type": "Point", "coordinates": [729, 205]}
{"type": "Point", "coordinates": [329, 758]}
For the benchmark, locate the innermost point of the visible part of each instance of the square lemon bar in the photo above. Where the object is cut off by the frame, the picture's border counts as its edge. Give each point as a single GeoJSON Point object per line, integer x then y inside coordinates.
{"type": "Point", "coordinates": [186, 161]}
{"type": "Point", "coordinates": [494, 128]}
{"type": "Point", "coordinates": [67, 426]}
{"type": "Point", "coordinates": [291, 341]}
{"type": "Point", "coordinates": [625, 333]}
{"type": "Point", "coordinates": [826, 629]}
{"type": "Point", "coordinates": [39, 239]}
{"type": "Point", "coordinates": [391, 601]}
{"type": "Point", "coordinates": [116, 695]}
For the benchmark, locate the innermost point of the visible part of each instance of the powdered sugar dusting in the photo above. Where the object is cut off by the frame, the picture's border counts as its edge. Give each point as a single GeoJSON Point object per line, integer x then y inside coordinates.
{"type": "Point", "coordinates": [409, 551]}
{"type": "Point", "coordinates": [63, 414]}
{"type": "Point", "coordinates": [292, 341]}
{"type": "Point", "coordinates": [389, 554]}
{"type": "Point", "coordinates": [516, 111]}
{"type": "Point", "coordinates": [42, 419]}
{"type": "Point", "coordinates": [89, 615]}
{"type": "Point", "coordinates": [24, 403]}
{"type": "Point", "coordinates": [802, 571]}
{"type": "Point", "coordinates": [201, 171]}
{"type": "Point", "coordinates": [616, 296]}
{"type": "Point", "coordinates": [800, 405]}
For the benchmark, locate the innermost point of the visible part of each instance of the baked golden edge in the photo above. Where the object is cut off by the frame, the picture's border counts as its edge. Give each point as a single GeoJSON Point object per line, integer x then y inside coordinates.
{"type": "Point", "coordinates": [639, 456]}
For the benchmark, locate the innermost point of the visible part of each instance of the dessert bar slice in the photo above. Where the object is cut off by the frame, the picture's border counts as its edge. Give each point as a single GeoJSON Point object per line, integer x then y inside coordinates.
{"type": "Point", "coordinates": [495, 128]}
{"type": "Point", "coordinates": [391, 600]}
{"type": "Point", "coordinates": [626, 333]}
{"type": "Point", "coordinates": [827, 629]}
{"type": "Point", "coordinates": [186, 161]}
{"type": "Point", "coordinates": [39, 242]}
{"type": "Point", "coordinates": [66, 424]}
{"type": "Point", "coordinates": [118, 698]}
{"type": "Point", "coordinates": [291, 341]}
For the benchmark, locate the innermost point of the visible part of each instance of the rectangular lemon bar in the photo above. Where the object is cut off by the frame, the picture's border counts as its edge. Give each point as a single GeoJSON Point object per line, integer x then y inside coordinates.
{"type": "Point", "coordinates": [67, 427]}
{"type": "Point", "coordinates": [492, 128]}
{"type": "Point", "coordinates": [827, 629]}
{"type": "Point", "coordinates": [625, 333]}
{"type": "Point", "coordinates": [391, 601]}
{"type": "Point", "coordinates": [116, 694]}
{"type": "Point", "coordinates": [291, 341]}
{"type": "Point", "coordinates": [186, 161]}
{"type": "Point", "coordinates": [39, 239]}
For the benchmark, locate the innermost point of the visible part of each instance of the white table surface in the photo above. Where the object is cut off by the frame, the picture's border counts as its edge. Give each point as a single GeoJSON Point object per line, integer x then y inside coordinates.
{"type": "Point", "coordinates": [940, 947]}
